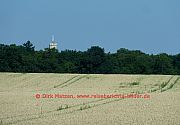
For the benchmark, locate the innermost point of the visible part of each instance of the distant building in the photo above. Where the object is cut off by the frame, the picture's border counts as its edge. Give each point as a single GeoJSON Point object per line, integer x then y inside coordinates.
{"type": "Point", "coordinates": [53, 44]}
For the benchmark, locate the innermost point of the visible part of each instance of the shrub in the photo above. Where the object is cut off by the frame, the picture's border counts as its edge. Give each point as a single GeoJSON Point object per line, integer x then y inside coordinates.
{"type": "Point", "coordinates": [134, 83]}
{"type": "Point", "coordinates": [60, 108]}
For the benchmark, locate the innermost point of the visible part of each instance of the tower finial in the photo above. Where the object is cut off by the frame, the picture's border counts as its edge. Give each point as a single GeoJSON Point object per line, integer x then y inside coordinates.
{"type": "Point", "coordinates": [52, 37]}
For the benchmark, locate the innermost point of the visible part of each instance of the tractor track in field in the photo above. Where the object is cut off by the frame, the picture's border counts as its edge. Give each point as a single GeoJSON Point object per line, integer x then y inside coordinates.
{"type": "Point", "coordinates": [70, 81]}
{"type": "Point", "coordinates": [162, 85]}
{"type": "Point", "coordinates": [75, 80]}
{"type": "Point", "coordinates": [66, 83]}
{"type": "Point", "coordinates": [70, 109]}
{"type": "Point", "coordinates": [61, 84]}
{"type": "Point", "coordinates": [170, 84]}
{"type": "Point", "coordinates": [27, 117]}
{"type": "Point", "coordinates": [57, 113]}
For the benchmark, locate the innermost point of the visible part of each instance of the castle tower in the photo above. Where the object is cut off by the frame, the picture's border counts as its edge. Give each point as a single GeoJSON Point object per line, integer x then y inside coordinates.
{"type": "Point", "coordinates": [53, 44]}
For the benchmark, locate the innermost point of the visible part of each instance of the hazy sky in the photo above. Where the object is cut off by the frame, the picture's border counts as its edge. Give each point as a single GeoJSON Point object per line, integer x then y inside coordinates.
{"type": "Point", "coordinates": [152, 26]}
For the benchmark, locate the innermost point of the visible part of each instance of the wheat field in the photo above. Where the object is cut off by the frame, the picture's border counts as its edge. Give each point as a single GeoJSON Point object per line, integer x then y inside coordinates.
{"type": "Point", "coordinates": [19, 104]}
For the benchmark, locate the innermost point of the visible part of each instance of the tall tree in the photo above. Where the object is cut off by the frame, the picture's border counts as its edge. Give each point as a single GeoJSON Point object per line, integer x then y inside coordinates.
{"type": "Point", "coordinates": [29, 46]}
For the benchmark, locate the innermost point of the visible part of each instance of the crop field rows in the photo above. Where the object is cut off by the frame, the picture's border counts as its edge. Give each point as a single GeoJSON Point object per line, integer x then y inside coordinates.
{"type": "Point", "coordinates": [19, 105]}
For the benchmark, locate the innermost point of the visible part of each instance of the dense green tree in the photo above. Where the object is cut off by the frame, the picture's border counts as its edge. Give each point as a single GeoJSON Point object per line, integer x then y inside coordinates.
{"type": "Point", "coordinates": [95, 57]}
{"type": "Point", "coordinates": [176, 63]}
{"type": "Point", "coordinates": [24, 58]}
{"type": "Point", "coordinates": [163, 64]}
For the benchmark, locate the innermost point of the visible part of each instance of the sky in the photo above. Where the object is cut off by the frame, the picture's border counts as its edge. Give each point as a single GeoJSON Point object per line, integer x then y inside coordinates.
{"type": "Point", "coordinates": [152, 26]}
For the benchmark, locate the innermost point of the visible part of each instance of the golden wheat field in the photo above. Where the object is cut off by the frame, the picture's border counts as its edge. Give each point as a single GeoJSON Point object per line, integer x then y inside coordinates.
{"type": "Point", "coordinates": [28, 99]}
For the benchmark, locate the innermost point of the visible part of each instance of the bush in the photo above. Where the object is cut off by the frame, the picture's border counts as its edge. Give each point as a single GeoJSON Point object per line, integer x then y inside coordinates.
{"type": "Point", "coordinates": [134, 83]}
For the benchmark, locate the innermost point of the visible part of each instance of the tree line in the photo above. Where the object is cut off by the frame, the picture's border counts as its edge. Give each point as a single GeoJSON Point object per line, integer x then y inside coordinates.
{"type": "Point", "coordinates": [24, 58]}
